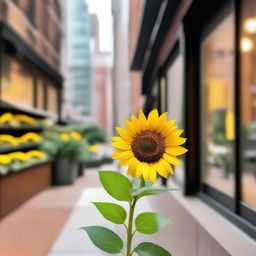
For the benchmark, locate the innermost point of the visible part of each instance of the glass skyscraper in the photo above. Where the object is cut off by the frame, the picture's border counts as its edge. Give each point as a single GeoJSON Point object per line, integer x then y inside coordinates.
{"type": "Point", "coordinates": [78, 36]}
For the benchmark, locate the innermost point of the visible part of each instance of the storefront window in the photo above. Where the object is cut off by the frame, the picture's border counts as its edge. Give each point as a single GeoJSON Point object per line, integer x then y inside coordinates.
{"type": "Point", "coordinates": [217, 83]}
{"type": "Point", "coordinates": [175, 102]}
{"type": "Point", "coordinates": [52, 98]}
{"type": "Point", "coordinates": [40, 93]}
{"type": "Point", "coordinates": [17, 83]}
{"type": "Point", "coordinates": [248, 102]}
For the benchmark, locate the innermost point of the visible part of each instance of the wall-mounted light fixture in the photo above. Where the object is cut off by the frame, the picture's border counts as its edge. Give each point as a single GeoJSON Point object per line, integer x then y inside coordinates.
{"type": "Point", "coordinates": [250, 25]}
{"type": "Point", "coordinates": [246, 44]}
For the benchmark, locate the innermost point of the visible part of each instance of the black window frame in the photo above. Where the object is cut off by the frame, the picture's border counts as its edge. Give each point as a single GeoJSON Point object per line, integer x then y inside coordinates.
{"type": "Point", "coordinates": [196, 27]}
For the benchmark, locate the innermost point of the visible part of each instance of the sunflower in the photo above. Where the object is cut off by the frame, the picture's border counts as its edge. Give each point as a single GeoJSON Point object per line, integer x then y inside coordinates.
{"type": "Point", "coordinates": [149, 145]}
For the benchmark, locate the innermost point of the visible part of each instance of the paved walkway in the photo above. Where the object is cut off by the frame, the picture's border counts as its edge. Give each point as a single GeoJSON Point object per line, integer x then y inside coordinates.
{"type": "Point", "coordinates": [32, 229]}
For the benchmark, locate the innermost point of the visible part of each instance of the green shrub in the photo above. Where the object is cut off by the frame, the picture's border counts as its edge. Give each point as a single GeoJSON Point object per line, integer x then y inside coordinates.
{"type": "Point", "coordinates": [93, 133]}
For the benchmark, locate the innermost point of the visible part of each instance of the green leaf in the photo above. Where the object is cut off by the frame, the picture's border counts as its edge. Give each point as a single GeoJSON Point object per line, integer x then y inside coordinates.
{"type": "Point", "coordinates": [150, 222]}
{"type": "Point", "coordinates": [137, 189]}
{"type": "Point", "coordinates": [104, 239]}
{"type": "Point", "coordinates": [112, 212]}
{"type": "Point", "coordinates": [150, 249]}
{"type": "Point", "coordinates": [116, 184]}
{"type": "Point", "coordinates": [156, 191]}
{"type": "Point", "coordinates": [136, 183]}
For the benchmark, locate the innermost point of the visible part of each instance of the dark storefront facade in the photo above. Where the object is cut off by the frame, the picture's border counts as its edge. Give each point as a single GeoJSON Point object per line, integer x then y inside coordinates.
{"type": "Point", "coordinates": [197, 60]}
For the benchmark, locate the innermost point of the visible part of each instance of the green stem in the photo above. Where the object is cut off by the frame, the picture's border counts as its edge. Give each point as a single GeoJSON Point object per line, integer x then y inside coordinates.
{"type": "Point", "coordinates": [129, 230]}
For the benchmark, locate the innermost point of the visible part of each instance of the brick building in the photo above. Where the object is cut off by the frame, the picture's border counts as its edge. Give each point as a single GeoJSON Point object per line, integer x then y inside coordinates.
{"type": "Point", "coordinates": [30, 38]}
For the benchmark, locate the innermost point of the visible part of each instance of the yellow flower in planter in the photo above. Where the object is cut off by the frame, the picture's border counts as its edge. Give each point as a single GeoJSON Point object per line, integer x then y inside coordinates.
{"type": "Point", "coordinates": [76, 135]}
{"type": "Point", "coordinates": [149, 145]}
{"type": "Point", "coordinates": [94, 148]}
{"type": "Point", "coordinates": [6, 117]}
{"type": "Point", "coordinates": [5, 159]}
{"type": "Point", "coordinates": [9, 139]}
{"type": "Point", "coordinates": [19, 156]}
{"type": "Point", "coordinates": [64, 136]}
{"type": "Point", "coordinates": [30, 136]}
{"type": "Point", "coordinates": [36, 154]}
{"type": "Point", "coordinates": [24, 119]}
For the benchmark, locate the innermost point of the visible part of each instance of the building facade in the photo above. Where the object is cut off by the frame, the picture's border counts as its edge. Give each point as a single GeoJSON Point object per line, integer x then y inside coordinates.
{"type": "Point", "coordinates": [101, 77]}
{"type": "Point", "coordinates": [135, 16]}
{"type": "Point", "coordinates": [196, 60]}
{"type": "Point", "coordinates": [30, 55]}
{"type": "Point", "coordinates": [78, 52]}
{"type": "Point", "coordinates": [121, 76]}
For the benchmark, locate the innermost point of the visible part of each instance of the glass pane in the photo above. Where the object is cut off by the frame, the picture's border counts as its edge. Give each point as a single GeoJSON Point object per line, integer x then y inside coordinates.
{"type": "Point", "coordinates": [52, 98]}
{"type": "Point", "coordinates": [176, 103]}
{"type": "Point", "coordinates": [17, 83]}
{"type": "Point", "coordinates": [248, 101]}
{"type": "Point", "coordinates": [40, 93]}
{"type": "Point", "coordinates": [217, 79]}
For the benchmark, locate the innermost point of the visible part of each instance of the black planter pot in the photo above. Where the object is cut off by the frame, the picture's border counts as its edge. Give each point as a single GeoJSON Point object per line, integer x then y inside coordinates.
{"type": "Point", "coordinates": [64, 172]}
{"type": "Point", "coordinates": [107, 160]}
{"type": "Point", "coordinates": [81, 167]}
{"type": "Point", "coordinates": [93, 163]}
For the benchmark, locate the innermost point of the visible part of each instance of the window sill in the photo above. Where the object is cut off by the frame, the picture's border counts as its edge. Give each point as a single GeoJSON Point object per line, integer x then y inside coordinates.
{"type": "Point", "coordinates": [233, 240]}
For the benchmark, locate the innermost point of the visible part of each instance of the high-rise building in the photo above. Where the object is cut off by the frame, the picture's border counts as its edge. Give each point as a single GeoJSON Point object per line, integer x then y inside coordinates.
{"type": "Point", "coordinates": [101, 80]}
{"type": "Point", "coordinates": [78, 52]}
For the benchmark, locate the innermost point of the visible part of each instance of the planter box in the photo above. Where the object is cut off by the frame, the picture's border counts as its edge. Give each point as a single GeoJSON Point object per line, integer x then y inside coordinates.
{"type": "Point", "coordinates": [16, 188]}
{"type": "Point", "coordinates": [64, 172]}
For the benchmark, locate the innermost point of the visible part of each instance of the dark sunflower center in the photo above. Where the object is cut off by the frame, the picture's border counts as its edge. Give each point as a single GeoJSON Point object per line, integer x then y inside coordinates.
{"type": "Point", "coordinates": [148, 146]}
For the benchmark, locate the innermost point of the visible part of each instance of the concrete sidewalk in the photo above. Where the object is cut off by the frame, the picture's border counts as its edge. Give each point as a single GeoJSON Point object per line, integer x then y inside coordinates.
{"type": "Point", "coordinates": [32, 229]}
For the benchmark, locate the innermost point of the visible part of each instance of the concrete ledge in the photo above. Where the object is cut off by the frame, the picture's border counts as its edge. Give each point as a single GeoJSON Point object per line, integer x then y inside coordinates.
{"type": "Point", "coordinates": [230, 237]}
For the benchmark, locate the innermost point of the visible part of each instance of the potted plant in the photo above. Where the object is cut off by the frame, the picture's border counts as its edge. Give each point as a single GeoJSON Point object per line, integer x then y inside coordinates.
{"type": "Point", "coordinates": [67, 150]}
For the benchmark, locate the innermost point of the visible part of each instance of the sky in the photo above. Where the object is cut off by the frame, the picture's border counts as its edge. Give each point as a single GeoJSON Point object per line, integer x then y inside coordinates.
{"type": "Point", "coordinates": [103, 9]}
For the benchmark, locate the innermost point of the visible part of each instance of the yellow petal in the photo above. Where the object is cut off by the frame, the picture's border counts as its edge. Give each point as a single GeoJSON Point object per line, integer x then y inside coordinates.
{"type": "Point", "coordinates": [152, 119]}
{"type": "Point", "coordinates": [142, 121]}
{"type": "Point", "coordinates": [135, 123]}
{"type": "Point", "coordinates": [116, 154]}
{"type": "Point", "coordinates": [124, 162]}
{"type": "Point", "coordinates": [161, 122]}
{"type": "Point", "coordinates": [142, 169]}
{"type": "Point", "coordinates": [161, 170]}
{"type": "Point", "coordinates": [133, 163]}
{"type": "Point", "coordinates": [116, 139]}
{"type": "Point", "coordinates": [168, 128]}
{"type": "Point", "coordinates": [121, 154]}
{"type": "Point", "coordinates": [129, 126]}
{"type": "Point", "coordinates": [121, 145]}
{"type": "Point", "coordinates": [175, 150]}
{"type": "Point", "coordinates": [174, 141]}
{"type": "Point", "coordinates": [166, 166]}
{"type": "Point", "coordinates": [152, 175]}
{"type": "Point", "coordinates": [176, 133]}
{"type": "Point", "coordinates": [124, 134]}
{"type": "Point", "coordinates": [172, 159]}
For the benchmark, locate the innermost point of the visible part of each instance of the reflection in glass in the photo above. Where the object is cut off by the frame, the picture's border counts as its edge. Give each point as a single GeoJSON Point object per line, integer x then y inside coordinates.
{"type": "Point", "coordinates": [217, 80]}
{"type": "Point", "coordinates": [17, 82]}
{"type": "Point", "coordinates": [248, 102]}
{"type": "Point", "coordinates": [52, 98]}
{"type": "Point", "coordinates": [176, 103]}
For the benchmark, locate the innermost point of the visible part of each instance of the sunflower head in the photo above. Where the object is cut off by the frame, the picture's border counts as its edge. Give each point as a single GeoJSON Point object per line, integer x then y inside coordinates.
{"type": "Point", "coordinates": [149, 145]}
